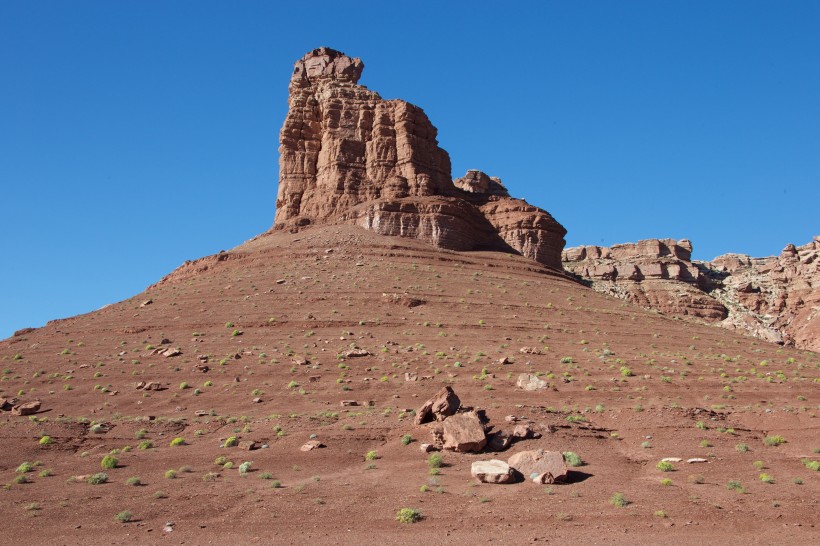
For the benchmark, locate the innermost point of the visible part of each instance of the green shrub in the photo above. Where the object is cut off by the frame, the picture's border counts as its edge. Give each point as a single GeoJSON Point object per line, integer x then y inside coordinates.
{"type": "Point", "coordinates": [406, 439]}
{"type": "Point", "coordinates": [573, 459]}
{"type": "Point", "coordinates": [145, 444]}
{"type": "Point", "coordinates": [434, 461]}
{"type": "Point", "coordinates": [742, 448]}
{"type": "Point", "coordinates": [133, 480]}
{"type": "Point", "coordinates": [46, 440]}
{"type": "Point", "coordinates": [98, 478]}
{"type": "Point", "coordinates": [170, 474]}
{"type": "Point", "coordinates": [245, 467]}
{"type": "Point", "coordinates": [177, 442]}
{"type": "Point", "coordinates": [618, 499]}
{"type": "Point", "coordinates": [408, 515]}
{"type": "Point", "coordinates": [232, 441]}
{"type": "Point", "coordinates": [665, 466]}
{"type": "Point", "coordinates": [766, 478]}
{"type": "Point", "coordinates": [371, 456]}
{"type": "Point", "coordinates": [735, 485]}
{"type": "Point", "coordinates": [124, 517]}
{"type": "Point", "coordinates": [108, 462]}
{"type": "Point", "coordinates": [25, 467]}
{"type": "Point", "coordinates": [774, 441]}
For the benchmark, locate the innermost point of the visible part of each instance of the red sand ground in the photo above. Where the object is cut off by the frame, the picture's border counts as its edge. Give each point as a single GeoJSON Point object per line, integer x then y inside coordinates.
{"type": "Point", "coordinates": [479, 307]}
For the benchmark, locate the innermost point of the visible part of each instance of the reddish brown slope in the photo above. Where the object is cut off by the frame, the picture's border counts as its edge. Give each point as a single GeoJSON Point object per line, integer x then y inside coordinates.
{"type": "Point", "coordinates": [343, 286]}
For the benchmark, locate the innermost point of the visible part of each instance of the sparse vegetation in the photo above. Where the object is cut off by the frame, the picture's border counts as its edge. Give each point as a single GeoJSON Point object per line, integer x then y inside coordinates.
{"type": "Point", "coordinates": [408, 515]}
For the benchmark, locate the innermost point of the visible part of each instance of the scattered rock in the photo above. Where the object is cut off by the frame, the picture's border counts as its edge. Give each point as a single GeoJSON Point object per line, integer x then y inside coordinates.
{"type": "Point", "coordinates": [525, 431]}
{"type": "Point", "coordinates": [402, 299]}
{"type": "Point", "coordinates": [530, 382]}
{"type": "Point", "coordinates": [499, 441]}
{"type": "Point", "coordinates": [248, 445]}
{"type": "Point", "coordinates": [696, 460]}
{"type": "Point", "coordinates": [671, 460]}
{"type": "Point", "coordinates": [257, 400]}
{"type": "Point", "coordinates": [546, 466]}
{"type": "Point", "coordinates": [464, 432]}
{"type": "Point", "coordinates": [356, 353]}
{"type": "Point", "coordinates": [202, 368]}
{"type": "Point", "coordinates": [146, 302]}
{"type": "Point", "coordinates": [492, 471]}
{"type": "Point", "coordinates": [311, 445]}
{"type": "Point", "coordinates": [350, 403]}
{"type": "Point", "coordinates": [442, 405]}
{"type": "Point", "coordinates": [171, 351]}
{"type": "Point", "coordinates": [529, 351]}
{"type": "Point", "coordinates": [28, 408]}
{"type": "Point", "coordinates": [7, 403]}
{"type": "Point", "coordinates": [410, 376]}
{"type": "Point", "coordinates": [504, 360]}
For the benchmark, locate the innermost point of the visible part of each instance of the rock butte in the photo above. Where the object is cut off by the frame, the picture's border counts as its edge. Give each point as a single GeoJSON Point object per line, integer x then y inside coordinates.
{"type": "Point", "coordinates": [349, 156]}
{"type": "Point", "coordinates": [775, 298]}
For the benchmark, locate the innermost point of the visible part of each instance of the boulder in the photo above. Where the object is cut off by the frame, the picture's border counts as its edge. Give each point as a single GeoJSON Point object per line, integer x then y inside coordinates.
{"type": "Point", "coordinates": [29, 408]}
{"type": "Point", "coordinates": [248, 445]}
{"type": "Point", "coordinates": [530, 382]}
{"type": "Point", "coordinates": [7, 403]}
{"type": "Point", "coordinates": [546, 466]}
{"type": "Point", "coordinates": [525, 431]}
{"type": "Point", "coordinates": [492, 471]}
{"type": "Point", "coordinates": [442, 405]}
{"type": "Point", "coordinates": [464, 433]}
{"type": "Point", "coordinates": [499, 440]}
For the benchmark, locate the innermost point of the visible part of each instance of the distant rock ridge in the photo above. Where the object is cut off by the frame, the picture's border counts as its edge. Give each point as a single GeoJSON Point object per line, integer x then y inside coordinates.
{"type": "Point", "coordinates": [349, 156]}
{"type": "Point", "coordinates": [776, 298]}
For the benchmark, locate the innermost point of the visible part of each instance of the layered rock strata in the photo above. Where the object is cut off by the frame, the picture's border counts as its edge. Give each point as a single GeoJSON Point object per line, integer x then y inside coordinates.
{"type": "Point", "coordinates": [775, 298]}
{"type": "Point", "coordinates": [349, 156]}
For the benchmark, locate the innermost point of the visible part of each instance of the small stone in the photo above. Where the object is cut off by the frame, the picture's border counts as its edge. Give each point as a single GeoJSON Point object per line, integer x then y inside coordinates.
{"type": "Point", "coordinates": [671, 460]}
{"type": "Point", "coordinates": [311, 445]}
{"type": "Point", "coordinates": [348, 403]}
{"type": "Point", "coordinates": [696, 460]}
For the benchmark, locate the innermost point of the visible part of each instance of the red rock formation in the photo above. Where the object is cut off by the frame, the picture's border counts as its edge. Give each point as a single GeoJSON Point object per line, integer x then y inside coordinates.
{"type": "Point", "coordinates": [654, 273]}
{"type": "Point", "coordinates": [775, 298]}
{"type": "Point", "coordinates": [348, 156]}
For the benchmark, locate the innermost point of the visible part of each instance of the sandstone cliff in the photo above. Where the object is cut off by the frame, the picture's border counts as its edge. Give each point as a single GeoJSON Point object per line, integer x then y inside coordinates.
{"type": "Point", "coordinates": [775, 298]}
{"type": "Point", "coordinates": [349, 156]}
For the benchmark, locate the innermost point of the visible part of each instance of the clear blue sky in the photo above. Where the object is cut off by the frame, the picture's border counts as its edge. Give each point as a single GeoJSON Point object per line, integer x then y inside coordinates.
{"type": "Point", "coordinates": [137, 134]}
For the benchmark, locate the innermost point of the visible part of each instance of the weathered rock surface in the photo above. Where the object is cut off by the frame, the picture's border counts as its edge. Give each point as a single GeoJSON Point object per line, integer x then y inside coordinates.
{"type": "Point", "coordinates": [776, 298]}
{"type": "Point", "coordinates": [530, 382]}
{"type": "Point", "coordinates": [349, 156]}
{"type": "Point", "coordinates": [464, 433]}
{"type": "Point", "coordinates": [442, 405]}
{"type": "Point", "coordinates": [28, 408]}
{"type": "Point", "coordinates": [539, 465]}
{"type": "Point", "coordinates": [492, 471]}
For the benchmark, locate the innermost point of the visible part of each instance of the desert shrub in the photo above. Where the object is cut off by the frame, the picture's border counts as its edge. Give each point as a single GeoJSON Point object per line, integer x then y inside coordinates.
{"type": "Point", "coordinates": [408, 515]}
{"type": "Point", "coordinates": [665, 466]}
{"type": "Point", "coordinates": [46, 440]}
{"type": "Point", "coordinates": [177, 442]}
{"type": "Point", "coordinates": [618, 499]}
{"type": "Point", "coordinates": [25, 467]}
{"type": "Point", "coordinates": [98, 478]}
{"type": "Point", "coordinates": [766, 478]}
{"type": "Point", "coordinates": [133, 480]}
{"type": "Point", "coordinates": [406, 439]}
{"type": "Point", "coordinates": [232, 441]}
{"type": "Point", "coordinates": [371, 456]}
{"type": "Point", "coordinates": [741, 448]}
{"type": "Point", "coordinates": [108, 462]}
{"type": "Point", "coordinates": [735, 485]}
{"type": "Point", "coordinates": [170, 474]}
{"type": "Point", "coordinates": [573, 459]}
{"type": "Point", "coordinates": [774, 441]}
{"type": "Point", "coordinates": [245, 467]}
{"type": "Point", "coordinates": [145, 444]}
{"type": "Point", "coordinates": [124, 517]}
{"type": "Point", "coordinates": [434, 461]}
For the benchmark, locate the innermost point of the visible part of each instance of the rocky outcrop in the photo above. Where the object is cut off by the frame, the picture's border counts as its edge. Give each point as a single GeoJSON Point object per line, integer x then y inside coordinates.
{"type": "Point", "coordinates": [349, 156]}
{"type": "Point", "coordinates": [655, 273]}
{"type": "Point", "coordinates": [775, 298]}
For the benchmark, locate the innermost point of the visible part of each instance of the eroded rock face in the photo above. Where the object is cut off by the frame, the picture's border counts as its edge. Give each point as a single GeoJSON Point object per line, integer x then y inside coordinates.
{"type": "Point", "coordinates": [349, 156]}
{"type": "Point", "coordinates": [776, 299]}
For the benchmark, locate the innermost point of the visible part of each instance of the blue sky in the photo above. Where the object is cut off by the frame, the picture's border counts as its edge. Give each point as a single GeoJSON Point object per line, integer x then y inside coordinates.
{"type": "Point", "coordinates": [136, 135]}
